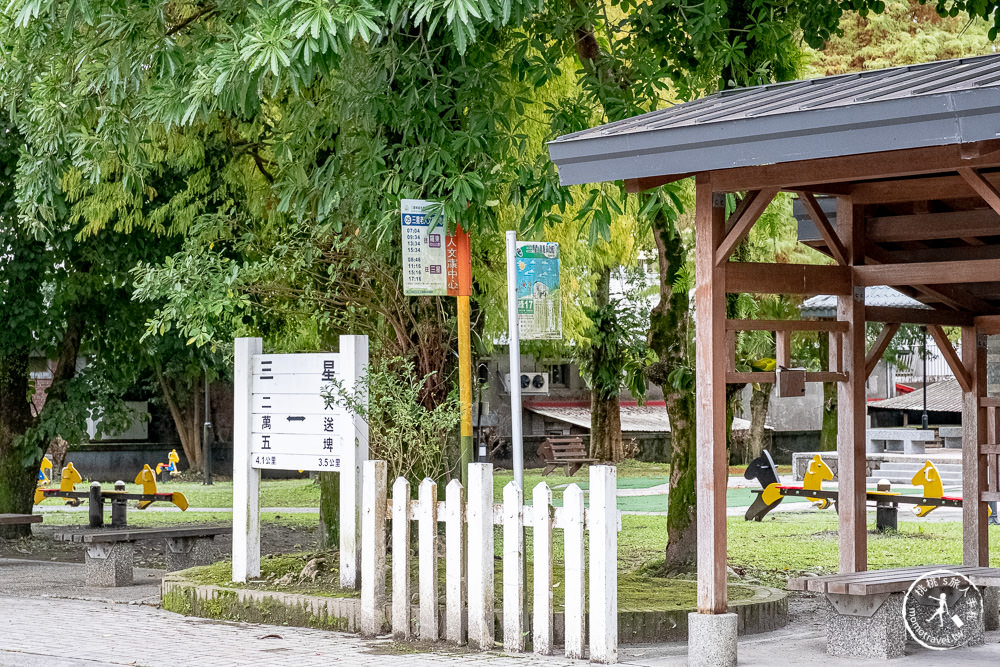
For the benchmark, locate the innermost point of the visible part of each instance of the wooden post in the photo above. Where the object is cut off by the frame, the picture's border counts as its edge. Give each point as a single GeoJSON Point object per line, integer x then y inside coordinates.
{"type": "Point", "coordinates": [454, 574]}
{"type": "Point", "coordinates": [246, 479]}
{"type": "Point", "coordinates": [851, 402]}
{"type": "Point", "coordinates": [513, 569]}
{"type": "Point", "coordinates": [373, 507]}
{"type": "Point", "coordinates": [573, 557]}
{"type": "Point", "coordinates": [480, 521]}
{"type": "Point", "coordinates": [975, 547]}
{"type": "Point", "coordinates": [427, 565]}
{"type": "Point", "coordinates": [401, 628]}
{"type": "Point", "coordinates": [354, 356]}
{"type": "Point", "coordinates": [603, 526]}
{"type": "Point", "coordinates": [541, 624]}
{"type": "Point", "coordinates": [710, 370]}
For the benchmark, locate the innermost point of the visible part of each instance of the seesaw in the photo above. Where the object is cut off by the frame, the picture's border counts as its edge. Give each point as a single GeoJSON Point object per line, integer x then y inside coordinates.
{"type": "Point", "coordinates": [773, 492]}
{"type": "Point", "coordinates": [118, 497]}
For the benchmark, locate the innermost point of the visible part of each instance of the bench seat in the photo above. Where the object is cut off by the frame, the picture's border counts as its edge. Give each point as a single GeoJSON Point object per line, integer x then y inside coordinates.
{"type": "Point", "coordinates": [111, 557]}
{"type": "Point", "coordinates": [19, 519]}
{"type": "Point", "coordinates": [566, 451]}
{"type": "Point", "coordinates": [865, 617]}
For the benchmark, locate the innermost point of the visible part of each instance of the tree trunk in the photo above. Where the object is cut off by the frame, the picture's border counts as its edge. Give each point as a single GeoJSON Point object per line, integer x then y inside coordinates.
{"type": "Point", "coordinates": [828, 436]}
{"type": "Point", "coordinates": [186, 418]}
{"type": "Point", "coordinates": [760, 399]}
{"type": "Point", "coordinates": [673, 372]}
{"type": "Point", "coordinates": [329, 510]}
{"type": "Point", "coordinates": [18, 464]}
{"type": "Point", "coordinates": [605, 411]}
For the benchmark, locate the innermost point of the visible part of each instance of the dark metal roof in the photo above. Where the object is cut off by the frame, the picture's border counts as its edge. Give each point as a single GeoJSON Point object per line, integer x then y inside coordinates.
{"type": "Point", "coordinates": [944, 396]}
{"type": "Point", "coordinates": [932, 104]}
{"type": "Point", "coordinates": [825, 305]}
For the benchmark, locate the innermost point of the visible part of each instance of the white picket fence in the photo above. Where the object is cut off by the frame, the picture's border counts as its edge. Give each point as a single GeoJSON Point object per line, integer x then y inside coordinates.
{"type": "Point", "coordinates": [469, 570]}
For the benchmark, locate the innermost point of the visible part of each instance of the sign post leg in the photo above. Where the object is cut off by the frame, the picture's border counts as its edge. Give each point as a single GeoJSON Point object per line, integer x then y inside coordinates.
{"type": "Point", "coordinates": [465, 384]}
{"type": "Point", "coordinates": [354, 365]}
{"type": "Point", "coordinates": [246, 479]}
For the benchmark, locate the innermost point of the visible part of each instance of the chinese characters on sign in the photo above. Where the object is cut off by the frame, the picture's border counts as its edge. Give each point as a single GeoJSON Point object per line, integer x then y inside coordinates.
{"type": "Point", "coordinates": [295, 413]}
{"type": "Point", "coordinates": [434, 263]}
{"type": "Point", "coordinates": [539, 309]}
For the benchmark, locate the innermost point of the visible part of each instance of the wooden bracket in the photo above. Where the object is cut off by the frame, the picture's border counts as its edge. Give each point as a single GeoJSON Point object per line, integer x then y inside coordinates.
{"type": "Point", "coordinates": [743, 219]}
{"type": "Point", "coordinates": [984, 188]}
{"type": "Point", "coordinates": [889, 330]}
{"type": "Point", "coordinates": [826, 230]}
{"type": "Point", "coordinates": [951, 356]}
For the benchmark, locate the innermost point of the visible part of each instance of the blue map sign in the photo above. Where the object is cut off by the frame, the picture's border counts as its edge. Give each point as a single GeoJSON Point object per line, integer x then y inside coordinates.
{"type": "Point", "coordinates": [539, 306]}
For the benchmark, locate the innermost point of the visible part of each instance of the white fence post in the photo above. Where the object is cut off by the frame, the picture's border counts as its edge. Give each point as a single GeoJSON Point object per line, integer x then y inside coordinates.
{"type": "Point", "coordinates": [574, 568]}
{"type": "Point", "coordinates": [354, 365]}
{"type": "Point", "coordinates": [401, 629]}
{"type": "Point", "coordinates": [454, 576]}
{"type": "Point", "coordinates": [246, 479]}
{"type": "Point", "coordinates": [541, 625]}
{"type": "Point", "coordinates": [513, 569]}
{"type": "Point", "coordinates": [603, 524]}
{"type": "Point", "coordinates": [480, 519]}
{"type": "Point", "coordinates": [427, 560]}
{"type": "Point", "coordinates": [373, 508]}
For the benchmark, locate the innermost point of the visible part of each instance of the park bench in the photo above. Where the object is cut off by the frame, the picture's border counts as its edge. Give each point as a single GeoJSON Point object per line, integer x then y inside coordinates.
{"type": "Point", "coordinates": [901, 440]}
{"type": "Point", "coordinates": [951, 435]}
{"type": "Point", "coordinates": [566, 451]}
{"type": "Point", "coordinates": [18, 519]}
{"type": "Point", "coordinates": [111, 558]}
{"type": "Point", "coordinates": [865, 616]}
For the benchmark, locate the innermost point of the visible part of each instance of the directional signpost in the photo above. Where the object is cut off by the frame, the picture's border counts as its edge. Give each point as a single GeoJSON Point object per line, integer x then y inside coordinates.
{"type": "Point", "coordinates": [287, 417]}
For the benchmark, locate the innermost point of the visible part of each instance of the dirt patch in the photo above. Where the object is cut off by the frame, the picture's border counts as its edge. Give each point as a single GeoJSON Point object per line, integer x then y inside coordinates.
{"type": "Point", "coordinates": [274, 539]}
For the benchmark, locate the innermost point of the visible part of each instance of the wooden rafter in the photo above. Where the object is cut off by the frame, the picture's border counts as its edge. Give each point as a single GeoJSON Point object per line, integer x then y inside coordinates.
{"type": "Point", "coordinates": [785, 325]}
{"type": "Point", "coordinates": [951, 356]}
{"type": "Point", "coordinates": [950, 186]}
{"type": "Point", "coordinates": [929, 273]}
{"type": "Point", "coordinates": [826, 230]}
{"type": "Point", "coordinates": [988, 325]}
{"type": "Point", "coordinates": [984, 188]}
{"type": "Point", "coordinates": [889, 330]}
{"type": "Point", "coordinates": [753, 278]}
{"type": "Point", "coordinates": [949, 295]}
{"type": "Point", "coordinates": [927, 226]}
{"type": "Point", "coordinates": [633, 185]}
{"type": "Point", "coordinates": [743, 221]}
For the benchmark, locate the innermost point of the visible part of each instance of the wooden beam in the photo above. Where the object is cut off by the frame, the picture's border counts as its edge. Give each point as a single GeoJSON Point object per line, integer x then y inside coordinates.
{"type": "Point", "coordinates": [954, 253]}
{"type": "Point", "coordinates": [768, 377]}
{"type": "Point", "coordinates": [951, 296]}
{"type": "Point", "coordinates": [929, 273]}
{"type": "Point", "coordinates": [744, 219]}
{"type": "Point", "coordinates": [950, 318]}
{"type": "Point", "coordinates": [852, 517]}
{"type": "Point", "coordinates": [889, 330]}
{"type": "Point", "coordinates": [954, 362]}
{"type": "Point", "coordinates": [983, 187]}
{"type": "Point", "coordinates": [754, 278]}
{"type": "Point", "coordinates": [785, 325]}
{"type": "Point", "coordinates": [710, 373]}
{"type": "Point", "coordinates": [826, 230]}
{"type": "Point", "coordinates": [896, 191]}
{"type": "Point", "coordinates": [633, 185]}
{"type": "Point", "coordinates": [988, 325]}
{"type": "Point", "coordinates": [929, 226]}
{"type": "Point", "coordinates": [853, 168]}
{"type": "Point", "coordinates": [783, 348]}
{"type": "Point", "coordinates": [975, 547]}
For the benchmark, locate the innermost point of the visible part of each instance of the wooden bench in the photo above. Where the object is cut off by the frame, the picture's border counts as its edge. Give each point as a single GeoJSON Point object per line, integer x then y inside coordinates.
{"type": "Point", "coordinates": [111, 558]}
{"type": "Point", "coordinates": [566, 451]}
{"type": "Point", "coordinates": [866, 608]}
{"type": "Point", "coordinates": [19, 519]}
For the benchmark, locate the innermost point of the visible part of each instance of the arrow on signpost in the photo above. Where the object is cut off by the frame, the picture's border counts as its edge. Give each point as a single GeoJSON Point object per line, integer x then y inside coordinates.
{"type": "Point", "coordinates": [296, 419]}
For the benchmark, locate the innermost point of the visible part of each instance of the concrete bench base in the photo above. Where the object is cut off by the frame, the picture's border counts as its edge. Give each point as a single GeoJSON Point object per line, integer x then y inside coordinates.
{"type": "Point", "coordinates": [110, 565]}
{"type": "Point", "coordinates": [185, 552]}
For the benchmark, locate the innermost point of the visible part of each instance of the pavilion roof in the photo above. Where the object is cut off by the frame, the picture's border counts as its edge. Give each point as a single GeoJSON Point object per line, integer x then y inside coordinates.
{"type": "Point", "coordinates": [916, 106]}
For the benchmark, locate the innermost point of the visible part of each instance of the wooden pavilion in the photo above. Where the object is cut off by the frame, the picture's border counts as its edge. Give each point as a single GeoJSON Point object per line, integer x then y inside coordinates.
{"type": "Point", "coordinates": [912, 156]}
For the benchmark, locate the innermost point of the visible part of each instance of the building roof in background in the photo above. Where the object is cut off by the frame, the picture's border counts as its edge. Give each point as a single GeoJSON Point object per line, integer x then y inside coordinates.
{"type": "Point", "coordinates": [825, 305]}
{"type": "Point", "coordinates": [944, 396]}
{"type": "Point", "coordinates": [648, 418]}
{"type": "Point", "coordinates": [931, 104]}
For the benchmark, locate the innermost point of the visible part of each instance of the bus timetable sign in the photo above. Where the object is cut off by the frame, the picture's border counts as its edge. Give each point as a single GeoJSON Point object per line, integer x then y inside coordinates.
{"type": "Point", "coordinates": [296, 423]}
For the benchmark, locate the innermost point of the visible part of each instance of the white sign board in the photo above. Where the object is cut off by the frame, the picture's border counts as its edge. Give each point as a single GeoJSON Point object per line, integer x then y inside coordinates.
{"type": "Point", "coordinates": [424, 250]}
{"type": "Point", "coordinates": [306, 435]}
{"type": "Point", "coordinates": [286, 417]}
